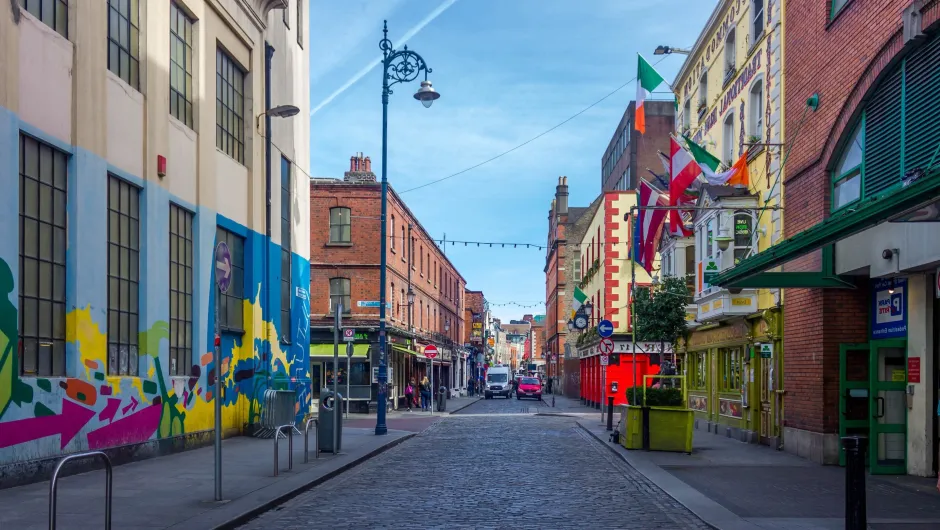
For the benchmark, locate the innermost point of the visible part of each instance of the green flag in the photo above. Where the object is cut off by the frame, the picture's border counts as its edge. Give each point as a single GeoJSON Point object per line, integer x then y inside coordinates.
{"type": "Point", "coordinates": [703, 157]}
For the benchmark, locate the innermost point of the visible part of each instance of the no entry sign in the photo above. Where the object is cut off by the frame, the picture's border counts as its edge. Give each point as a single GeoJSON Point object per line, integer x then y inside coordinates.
{"type": "Point", "coordinates": [430, 351]}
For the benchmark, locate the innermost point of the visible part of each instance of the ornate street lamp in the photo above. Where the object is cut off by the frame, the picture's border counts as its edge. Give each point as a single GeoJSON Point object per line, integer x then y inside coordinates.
{"type": "Point", "coordinates": [398, 66]}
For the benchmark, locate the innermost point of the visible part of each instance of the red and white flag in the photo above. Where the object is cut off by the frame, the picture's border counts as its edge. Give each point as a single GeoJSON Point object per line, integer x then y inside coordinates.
{"type": "Point", "coordinates": [684, 171]}
{"type": "Point", "coordinates": [649, 224]}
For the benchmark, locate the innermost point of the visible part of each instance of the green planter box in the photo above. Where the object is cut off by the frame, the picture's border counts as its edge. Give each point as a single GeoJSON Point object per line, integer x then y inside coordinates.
{"type": "Point", "coordinates": [670, 429]}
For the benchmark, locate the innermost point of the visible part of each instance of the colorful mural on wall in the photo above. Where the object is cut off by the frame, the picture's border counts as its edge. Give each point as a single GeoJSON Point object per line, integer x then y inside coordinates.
{"type": "Point", "coordinates": [43, 417]}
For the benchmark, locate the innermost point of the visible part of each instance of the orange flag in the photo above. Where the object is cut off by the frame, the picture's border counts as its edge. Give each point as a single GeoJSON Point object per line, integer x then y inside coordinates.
{"type": "Point", "coordinates": [741, 175]}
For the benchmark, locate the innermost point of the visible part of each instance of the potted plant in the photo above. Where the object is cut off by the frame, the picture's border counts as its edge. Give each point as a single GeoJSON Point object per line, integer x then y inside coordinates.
{"type": "Point", "coordinates": [754, 140]}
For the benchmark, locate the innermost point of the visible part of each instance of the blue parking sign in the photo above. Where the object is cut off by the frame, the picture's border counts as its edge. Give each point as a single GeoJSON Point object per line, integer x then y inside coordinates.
{"type": "Point", "coordinates": [889, 308]}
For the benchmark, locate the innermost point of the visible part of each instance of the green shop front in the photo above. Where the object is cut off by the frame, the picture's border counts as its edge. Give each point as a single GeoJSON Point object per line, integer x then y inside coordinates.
{"type": "Point", "coordinates": [354, 370]}
{"type": "Point", "coordinates": [879, 244]}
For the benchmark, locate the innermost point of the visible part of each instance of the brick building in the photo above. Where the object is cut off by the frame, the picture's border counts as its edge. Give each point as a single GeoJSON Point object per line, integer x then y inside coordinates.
{"type": "Point", "coordinates": [629, 153]}
{"type": "Point", "coordinates": [861, 313]}
{"type": "Point", "coordinates": [345, 267]}
{"type": "Point", "coordinates": [475, 331]}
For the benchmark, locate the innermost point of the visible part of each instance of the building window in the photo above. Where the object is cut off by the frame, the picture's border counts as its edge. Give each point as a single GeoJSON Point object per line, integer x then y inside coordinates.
{"type": "Point", "coordinates": [340, 225]}
{"type": "Point", "coordinates": [392, 231]}
{"type": "Point", "coordinates": [730, 369]}
{"type": "Point", "coordinates": [123, 276]}
{"type": "Point", "coordinates": [300, 23]}
{"type": "Point", "coordinates": [703, 93]}
{"type": "Point", "coordinates": [757, 10]}
{"type": "Point", "coordinates": [181, 65]}
{"type": "Point", "coordinates": [231, 309]}
{"type": "Point", "coordinates": [43, 196]}
{"type": "Point", "coordinates": [339, 294]}
{"type": "Point", "coordinates": [229, 106]}
{"type": "Point", "coordinates": [743, 235]}
{"type": "Point", "coordinates": [53, 13]}
{"type": "Point", "coordinates": [181, 291]}
{"type": "Point", "coordinates": [576, 273]}
{"type": "Point", "coordinates": [837, 6]}
{"type": "Point", "coordinates": [698, 370]}
{"type": "Point", "coordinates": [727, 140]}
{"type": "Point", "coordinates": [756, 107]}
{"type": "Point", "coordinates": [124, 40]}
{"type": "Point", "coordinates": [847, 178]}
{"type": "Point", "coordinates": [285, 249]}
{"type": "Point", "coordinates": [730, 55]}
{"type": "Point", "coordinates": [687, 116]}
{"type": "Point", "coordinates": [709, 236]}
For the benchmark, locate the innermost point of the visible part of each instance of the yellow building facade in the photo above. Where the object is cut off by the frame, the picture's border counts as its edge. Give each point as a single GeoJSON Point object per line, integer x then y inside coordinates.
{"type": "Point", "coordinates": [730, 97]}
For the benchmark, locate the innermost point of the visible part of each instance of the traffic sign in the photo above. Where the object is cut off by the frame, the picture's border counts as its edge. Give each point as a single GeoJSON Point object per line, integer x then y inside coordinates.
{"type": "Point", "coordinates": [430, 351]}
{"type": "Point", "coordinates": [606, 346]}
{"type": "Point", "coordinates": [605, 328]}
{"type": "Point", "coordinates": [349, 334]}
{"type": "Point", "coordinates": [223, 267]}
{"type": "Point", "coordinates": [605, 359]}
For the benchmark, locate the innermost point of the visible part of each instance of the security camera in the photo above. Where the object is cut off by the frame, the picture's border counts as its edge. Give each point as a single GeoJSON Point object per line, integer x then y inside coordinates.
{"type": "Point", "coordinates": [887, 253]}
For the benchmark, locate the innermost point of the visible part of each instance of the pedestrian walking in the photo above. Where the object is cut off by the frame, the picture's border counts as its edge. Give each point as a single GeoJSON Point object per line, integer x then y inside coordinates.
{"type": "Point", "coordinates": [425, 393]}
{"type": "Point", "coordinates": [410, 393]}
{"type": "Point", "coordinates": [470, 385]}
{"type": "Point", "coordinates": [549, 385]}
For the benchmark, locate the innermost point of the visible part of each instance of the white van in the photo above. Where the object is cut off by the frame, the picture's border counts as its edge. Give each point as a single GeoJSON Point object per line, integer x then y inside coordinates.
{"type": "Point", "coordinates": [498, 382]}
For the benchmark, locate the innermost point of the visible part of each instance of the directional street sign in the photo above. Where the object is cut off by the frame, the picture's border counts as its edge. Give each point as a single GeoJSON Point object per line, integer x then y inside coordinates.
{"type": "Point", "coordinates": [605, 360]}
{"type": "Point", "coordinates": [606, 346]}
{"type": "Point", "coordinates": [223, 267]}
{"type": "Point", "coordinates": [605, 328]}
{"type": "Point", "coordinates": [349, 334]}
{"type": "Point", "coordinates": [430, 351]}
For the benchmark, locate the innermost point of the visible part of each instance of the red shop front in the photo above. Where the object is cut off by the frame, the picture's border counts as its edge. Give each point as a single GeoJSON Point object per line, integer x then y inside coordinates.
{"type": "Point", "coordinates": [601, 382]}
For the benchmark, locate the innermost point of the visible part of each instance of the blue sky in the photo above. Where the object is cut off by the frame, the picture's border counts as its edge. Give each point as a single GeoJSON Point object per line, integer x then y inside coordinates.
{"type": "Point", "coordinates": [507, 70]}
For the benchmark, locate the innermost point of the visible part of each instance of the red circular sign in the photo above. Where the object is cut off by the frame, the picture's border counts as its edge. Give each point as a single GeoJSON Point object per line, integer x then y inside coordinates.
{"type": "Point", "coordinates": [430, 351]}
{"type": "Point", "coordinates": [607, 346]}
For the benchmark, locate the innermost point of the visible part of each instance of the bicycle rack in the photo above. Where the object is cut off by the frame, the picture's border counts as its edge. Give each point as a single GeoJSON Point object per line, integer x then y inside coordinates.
{"type": "Point", "coordinates": [290, 446]}
{"type": "Point", "coordinates": [53, 486]}
{"type": "Point", "coordinates": [316, 422]}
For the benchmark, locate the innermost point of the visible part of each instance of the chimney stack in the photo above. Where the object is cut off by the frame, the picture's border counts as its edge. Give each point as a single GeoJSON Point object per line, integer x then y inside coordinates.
{"type": "Point", "coordinates": [360, 170]}
{"type": "Point", "coordinates": [561, 196]}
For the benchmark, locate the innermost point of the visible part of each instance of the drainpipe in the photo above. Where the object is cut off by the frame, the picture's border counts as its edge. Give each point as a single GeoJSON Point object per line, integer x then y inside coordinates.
{"type": "Point", "coordinates": [268, 55]}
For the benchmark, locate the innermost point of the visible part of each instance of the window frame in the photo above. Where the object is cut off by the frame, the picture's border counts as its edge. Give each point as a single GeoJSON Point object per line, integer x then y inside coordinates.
{"type": "Point", "coordinates": [757, 15]}
{"type": "Point", "coordinates": [230, 105]}
{"type": "Point", "coordinates": [836, 11]}
{"type": "Point", "coordinates": [56, 18]}
{"type": "Point", "coordinates": [345, 294]}
{"type": "Point", "coordinates": [855, 172]}
{"type": "Point", "coordinates": [339, 224]}
{"type": "Point", "coordinates": [697, 372]}
{"type": "Point", "coordinates": [236, 245]}
{"type": "Point", "coordinates": [731, 369]}
{"type": "Point", "coordinates": [286, 250]}
{"type": "Point", "coordinates": [130, 310]}
{"type": "Point", "coordinates": [181, 239]}
{"type": "Point", "coordinates": [56, 299]}
{"type": "Point", "coordinates": [179, 16]}
{"type": "Point", "coordinates": [750, 247]}
{"type": "Point", "coordinates": [727, 138]}
{"type": "Point", "coordinates": [755, 120]}
{"type": "Point", "coordinates": [131, 22]}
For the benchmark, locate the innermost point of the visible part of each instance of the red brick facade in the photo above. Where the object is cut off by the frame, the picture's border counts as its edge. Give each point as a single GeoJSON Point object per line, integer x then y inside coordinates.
{"type": "Point", "coordinates": [641, 151]}
{"type": "Point", "coordinates": [840, 60]}
{"type": "Point", "coordinates": [473, 304]}
{"type": "Point", "coordinates": [438, 287]}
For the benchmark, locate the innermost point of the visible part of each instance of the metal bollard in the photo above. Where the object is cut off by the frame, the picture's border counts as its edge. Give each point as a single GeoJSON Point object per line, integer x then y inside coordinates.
{"type": "Point", "coordinates": [610, 414]}
{"type": "Point", "coordinates": [290, 446]}
{"type": "Point", "coordinates": [316, 422]}
{"type": "Point", "coordinates": [856, 512]}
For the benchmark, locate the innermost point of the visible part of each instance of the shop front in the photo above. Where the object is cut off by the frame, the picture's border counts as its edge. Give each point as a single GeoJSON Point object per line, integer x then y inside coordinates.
{"type": "Point", "coordinates": [731, 370]}
{"type": "Point", "coordinates": [612, 375]}
{"type": "Point", "coordinates": [355, 370]}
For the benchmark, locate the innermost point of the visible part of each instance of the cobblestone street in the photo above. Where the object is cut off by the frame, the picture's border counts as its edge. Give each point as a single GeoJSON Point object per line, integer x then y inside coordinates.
{"type": "Point", "coordinates": [469, 471]}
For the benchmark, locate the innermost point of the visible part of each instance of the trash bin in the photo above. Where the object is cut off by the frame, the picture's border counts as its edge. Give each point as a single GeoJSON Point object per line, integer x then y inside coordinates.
{"type": "Point", "coordinates": [330, 416]}
{"type": "Point", "coordinates": [442, 399]}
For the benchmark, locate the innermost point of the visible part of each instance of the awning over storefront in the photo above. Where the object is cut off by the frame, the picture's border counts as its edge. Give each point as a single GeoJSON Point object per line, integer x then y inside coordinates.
{"type": "Point", "coordinates": [326, 350]}
{"type": "Point", "coordinates": [892, 204]}
{"type": "Point", "coordinates": [406, 350]}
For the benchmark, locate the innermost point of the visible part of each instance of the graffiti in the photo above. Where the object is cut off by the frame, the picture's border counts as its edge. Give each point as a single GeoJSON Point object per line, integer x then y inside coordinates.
{"type": "Point", "coordinates": [135, 428]}
{"type": "Point", "coordinates": [67, 424]}
{"type": "Point", "coordinates": [12, 390]}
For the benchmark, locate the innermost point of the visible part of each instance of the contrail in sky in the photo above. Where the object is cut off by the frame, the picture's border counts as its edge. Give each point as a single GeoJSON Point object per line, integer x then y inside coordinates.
{"type": "Point", "coordinates": [368, 68]}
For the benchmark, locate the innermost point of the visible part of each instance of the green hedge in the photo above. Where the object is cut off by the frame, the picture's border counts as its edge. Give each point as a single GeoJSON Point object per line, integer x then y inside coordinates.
{"type": "Point", "coordinates": [656, 397]}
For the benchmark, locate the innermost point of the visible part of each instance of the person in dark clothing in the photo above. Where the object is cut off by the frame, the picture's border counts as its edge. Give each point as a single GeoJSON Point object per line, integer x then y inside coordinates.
{"type": "Point", "coordinates": [548, 385]}
{"type": "Point", "coordinates": [470, 385]}
{"type": "Point", "coordinates": [410, 393]}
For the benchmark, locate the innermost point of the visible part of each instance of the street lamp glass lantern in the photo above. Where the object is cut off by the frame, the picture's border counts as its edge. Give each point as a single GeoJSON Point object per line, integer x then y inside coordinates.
{"type": "Point", "coordinates": [426, 94]}
{"type": "Point", "coordinates": [411, 297]}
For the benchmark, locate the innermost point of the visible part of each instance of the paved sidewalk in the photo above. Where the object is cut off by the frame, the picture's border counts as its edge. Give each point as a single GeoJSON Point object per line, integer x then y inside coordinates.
{"type": "Point", "coordinates": [733, 485]}
{"type": "Point", "coordinates": [176, 491]}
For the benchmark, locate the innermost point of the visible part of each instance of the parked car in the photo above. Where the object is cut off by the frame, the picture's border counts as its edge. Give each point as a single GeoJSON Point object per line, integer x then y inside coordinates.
{"type": "Point", "coordinates": [529, 387]}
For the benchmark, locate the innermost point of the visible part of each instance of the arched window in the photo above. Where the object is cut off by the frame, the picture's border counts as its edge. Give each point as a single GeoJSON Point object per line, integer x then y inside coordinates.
{"type": "Point", "coordinates": [727, 139]}
{"type": "Point", "coordinates": [755, 120]}
{"type": "Point", "coordinates": [847, 177]}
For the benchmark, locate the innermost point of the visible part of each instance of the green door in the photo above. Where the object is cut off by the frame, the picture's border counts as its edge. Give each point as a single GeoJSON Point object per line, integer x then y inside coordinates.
{"type": "Point", "coordinates": [888, 442]}
{"type": "Point", "coordinates": [854, 392]}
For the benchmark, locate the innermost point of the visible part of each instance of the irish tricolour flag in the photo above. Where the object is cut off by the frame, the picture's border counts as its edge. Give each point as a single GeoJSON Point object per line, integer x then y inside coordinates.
{"type": "Point", "coordinates": [647, 79]}
{"type": "Point", "coordinates": [578, 300]}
